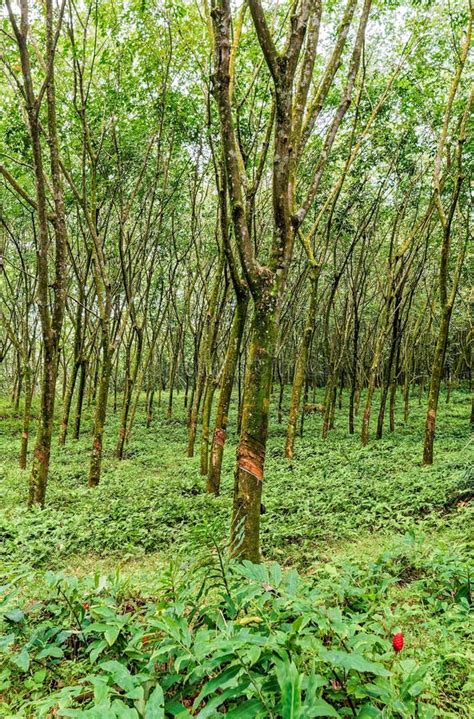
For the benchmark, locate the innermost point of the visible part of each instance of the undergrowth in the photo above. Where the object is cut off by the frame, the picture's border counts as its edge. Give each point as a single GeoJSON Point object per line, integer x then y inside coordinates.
{"type": "Point", "coordinates": [123, 602]}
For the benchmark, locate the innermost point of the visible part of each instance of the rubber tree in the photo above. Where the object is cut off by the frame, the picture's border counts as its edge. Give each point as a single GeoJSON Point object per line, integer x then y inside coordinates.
{"type": "Point", "coordinates": [267, 280]}
{"type": "Point", "coordinates": [233, 346]}
{"type": "Point", "coordinates": [448, 281]}
{"type": "Point", "coordinates": [51, 225]}
{"type": "Point", "coordinates": [20, 324]}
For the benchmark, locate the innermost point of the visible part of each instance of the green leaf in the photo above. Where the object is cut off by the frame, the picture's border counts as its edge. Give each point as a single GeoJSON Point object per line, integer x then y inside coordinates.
{"type": "Point", "coordinates": [119, 674]}
{"type": "Point", "coordinates": [14, 615]}
{"type": "Point", "coordinates": [51, 651]}
{"type": "Point", "coordinates": [354, 661]}
{"type": "Point", "coordinates": [368, 711]}
{"type": "Point", "coordinates": [223, 680]}
{"type": "Point", "coordinates": [98, 649]}
{"type": "Point", "coordinates": [289, 681]}
{"type": "Point", "coordinates": [318, 707]}
{"type": "Point", "coordinates": [416, 688]}
{"type": "Point", "coordinates": [177, 710]}
{"type": "Point", "coordinates": [111, 635]}
{"type": "Point", "coordinates": [22, 660]}
{"type": "Point", "coordinates": [123, 711]}
{"type": "Point", "coordinates": [247, 710]}
{"type": "Point", "coordinates": [154, 708]}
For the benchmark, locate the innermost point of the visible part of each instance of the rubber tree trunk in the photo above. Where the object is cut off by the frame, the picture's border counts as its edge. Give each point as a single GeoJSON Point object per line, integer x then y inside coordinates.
{"type": "Point", "coordinates": [393, 389]}
{"type": "Point", "coordinates": [100, 415]}
{"type": "Point", "coordinates": [406, 391]}
{"type": "Point", "coordinates": [245, 526]}
{"type": "Point", "coordinates": [300, 369]}
{"type": "Point", "coordinates": [387, 380]}
{"type": "Point", "coordinates": [281, 391]}
{"type": "Point", "coordinates": [149, 408]}
{"type": "Point", "coordinates": [305, 400]}
{"type": "Point", "coordinates": [205, 360]}
{"type": "Point", "coordinates": [40, 466]}
{"type": "Point", "coordinates": [227, 382]}
{"type": "Point", "coordinates": [67, 404]}
{"type": "Point", "coordinates": [355, 353]}
{"type": "Point", "coordinates": [198, 391]}
{"type": "Point", "coordinates": [75, 368]}
{"type": "Point", "coordinates": [173, 369]}
{"type": "Point", "coordinates": [329, 400]}
{"type": "Point", "coordinates": [206, 418]}
{"type": "Point", "coordinates": [80, 399]}
{"type": "Point", "coordinates": [18, 384]}
{"type": "Point", "coordinates": [26, 417]}
{"type": "Point", "coordinates": [129, 385]}
{"type": "Point", "coordinates": [435, 384]}
{"type": "Point", "coordinates": [371, 389]}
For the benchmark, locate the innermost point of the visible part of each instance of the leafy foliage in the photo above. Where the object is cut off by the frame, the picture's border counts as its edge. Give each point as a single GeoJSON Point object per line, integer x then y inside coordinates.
{"type": "Point", "coordinates": [252, 640]}
{"type": "Point", "coordinates": [203, 635]}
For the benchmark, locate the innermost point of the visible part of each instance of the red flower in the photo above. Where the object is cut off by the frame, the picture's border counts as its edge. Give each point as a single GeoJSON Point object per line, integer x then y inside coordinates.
{"type": "Point", "coordinates": [397, 642]}
{"type": "Point", "coordinates": [86, 605]}
{"type": "Point", "coordinates": [146, 639]}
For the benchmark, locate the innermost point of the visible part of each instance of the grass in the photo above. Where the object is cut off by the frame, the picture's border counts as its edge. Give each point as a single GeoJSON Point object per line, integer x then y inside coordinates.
{"type": "Point", "coordinates": [338, 513]}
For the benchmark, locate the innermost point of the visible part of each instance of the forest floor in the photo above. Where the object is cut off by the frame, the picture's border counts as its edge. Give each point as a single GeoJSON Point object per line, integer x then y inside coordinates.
{"type": "Point", "coordinates": [368, 523]}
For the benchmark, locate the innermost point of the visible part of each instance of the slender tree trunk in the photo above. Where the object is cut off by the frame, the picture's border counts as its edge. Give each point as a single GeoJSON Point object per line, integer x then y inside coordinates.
{"type": "Point", "coordinates": [305, 400]}
{"type": "Point", "coordinates": [193, 417]}
{"type": "Point", "coordinates": [280, 393]}
{"type": "Point", "coordinates": [227, 381]}
{"type": "Point", "coordinates": [26, 417]}
{"type": "Point", "coordinates": [17, 387]}
{"type": "Point", "coordinates": [393, 388]}
{"type": "Point", "coordinates": [93, 388]}
{"type": "Point", "coordinates": [171, 380]}
{"type": "Point", "coordinates": [206, 417]}
{"type": "Point", "coordinates": [80, 398]}
{"type": "Point", "coordinates": [435, 384]}
{"type": "Point", "coordinates": [67, 404]}
{"type": "Point", "coordinates": [300, 369]}
{"type": "Point", "coordinates": [131, 378]}
{"type": "Point", "coordinates": [387, 380]}
{"type": "Point", "coordinates": [355, 352]}
{"type": "Point", "coordinates": [100, 414]}
{"type": "Point", "coordinates": [328, 400]}
{"type": "Point", "coordinates": [370, 392]}
{"type": "Point", "coordinates": [149, 408]}
{"type": "Point", "coordinates": [40, 467]}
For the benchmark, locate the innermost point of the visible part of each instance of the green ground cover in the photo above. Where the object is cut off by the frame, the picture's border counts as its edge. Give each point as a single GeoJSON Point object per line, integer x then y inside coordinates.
{"type": "Point", "coordinates": [122, 601]}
